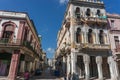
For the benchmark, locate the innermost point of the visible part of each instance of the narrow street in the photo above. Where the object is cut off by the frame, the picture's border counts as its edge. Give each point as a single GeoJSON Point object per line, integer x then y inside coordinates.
{"type": "Point", "coordinates": [46, 75]}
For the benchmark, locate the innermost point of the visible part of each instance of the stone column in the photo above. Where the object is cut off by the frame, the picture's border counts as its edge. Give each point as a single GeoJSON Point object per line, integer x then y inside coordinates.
{"type": "Point", "coordinates": [97, 37]}
{"type": "Point", "coordinates": [85, 34]}
{"type": "Point", "coordinates": [37, 65]}
{"type": "Point", "coordinates": [63, 66]}
{"type": "Point", "coordinates": [22, 66]}
{"type": "Point", "coordinates": [30, 66]}
{"type": "Point", "coordinates": [21, 30]}
{"type": "Point", "coordinates": [34, 66]}
{"type": "Point", "coordinates": [111, 65]}
{"type": "Point", "coordinates": [73, 62]}
{"type": "Point", "coordinates": [116, 70]}
{"type": "Point", "coordinates": [72, 26]}
{"type": "Point", "coordinates": [68, 64]}
{"type": "Point", "coordinates": [14, 65]}
{"type": "Point", "coordinates": [99, 65]}
{"type": "Point", "coordinates": [87, 69]}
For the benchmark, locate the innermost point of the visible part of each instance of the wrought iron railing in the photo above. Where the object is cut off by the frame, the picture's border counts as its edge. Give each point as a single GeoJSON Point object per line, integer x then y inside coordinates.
{"type": "Point", "coordinates": [94, 46]}
{"type": "Point", "coordinates": [16, 42]}
{"type": "Point", "coordinates": [7, 41]}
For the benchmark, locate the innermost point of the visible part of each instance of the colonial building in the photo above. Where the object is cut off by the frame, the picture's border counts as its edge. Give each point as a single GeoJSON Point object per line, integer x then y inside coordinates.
{"type": "Point", "coordinates": [83, 46]}
{"type": "Point", "coordinates": [20, 47]}
{"type": "Point", "coordinates": [43, 61]}
{"type": "Point", "coordinates": [114, 27]}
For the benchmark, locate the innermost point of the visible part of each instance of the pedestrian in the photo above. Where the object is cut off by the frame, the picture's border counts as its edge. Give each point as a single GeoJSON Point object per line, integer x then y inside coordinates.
{"type": "Point", "coordinates": [65, 77]}
{"type": "Point", "coordinates": [73, 76]}
{"type": "Point", "coordinates": [69, 76]}
{"type": "Point", "coordinates": [26, 75]}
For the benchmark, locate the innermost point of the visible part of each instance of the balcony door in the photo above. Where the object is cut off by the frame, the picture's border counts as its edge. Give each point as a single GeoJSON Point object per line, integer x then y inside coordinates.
{"type": "Point", "coordinates": [8, 32]}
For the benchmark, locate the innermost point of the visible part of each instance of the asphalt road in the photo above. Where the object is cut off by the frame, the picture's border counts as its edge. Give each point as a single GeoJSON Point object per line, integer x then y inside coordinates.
{"type": "Point", "coordinates": [46, 75]}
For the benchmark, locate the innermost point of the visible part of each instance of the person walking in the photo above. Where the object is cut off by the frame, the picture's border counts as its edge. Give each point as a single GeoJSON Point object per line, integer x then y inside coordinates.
{"type": "Point", "coordinates": [65, 77]}
{"type": "Point", "coordinates": [69, 76]}
{"type": "Point", "coordinates": [26, 75]}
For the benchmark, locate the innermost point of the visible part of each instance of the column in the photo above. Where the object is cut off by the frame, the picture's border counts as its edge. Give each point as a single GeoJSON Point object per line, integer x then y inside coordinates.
{"type": "Point", "coordinates": [30, 66]}
{"type": "Point", "coordinates": [116, 70]}
{"type": "Point", "coordinates": [72, 24]}
{"type": "Point", "coordinates": [68, 64]}
{"type": "Point", "coordinates": [33, 66]}
{"type": "Point", "coordinates": [85, 34]}
{"type": "Point", "coordinates": [87, 69]}
{"type": "Point", "coordinates": [14, 65]}
{"type": "Point", "coordinates": [22, 66]}
{"type": "Point", "coordinates": [112, 71]}
{"type": "Point", "coordinates": [97, 37]}
{"type": "Point", "coordinates": [37, 65]}
{"type": "Point", "coordinates": [20, 30]}
{"type": "Point", "coordinates": [99, 66]}
{"type": "Point", "coordinates": [73, 62]}
{"type": "Point", "coordinates": [63, 66]}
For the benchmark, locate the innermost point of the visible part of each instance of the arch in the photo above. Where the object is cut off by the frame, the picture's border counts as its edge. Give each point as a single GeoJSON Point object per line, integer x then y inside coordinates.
{"type": "Point", "coordinates": [77, 12]}
{"type": "Point", "coordinates": [78, 35]}
{"type": "Point", "coordinates": [9, 23]}
{"type": "Point", "coordinates": [90, 36]}
{"type": "Point", "coordinates": [88, 12]}
{"type": "Point", "coordinates": [98, 13]}
{"type": "Point", "coordinates": [8, 29]}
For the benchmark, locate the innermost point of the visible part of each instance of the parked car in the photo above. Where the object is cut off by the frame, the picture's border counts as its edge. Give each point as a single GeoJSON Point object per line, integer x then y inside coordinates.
{"type": "Point", "coordinates": [57, 73]}
{"type": "Point", "coordinates": [38, 72]}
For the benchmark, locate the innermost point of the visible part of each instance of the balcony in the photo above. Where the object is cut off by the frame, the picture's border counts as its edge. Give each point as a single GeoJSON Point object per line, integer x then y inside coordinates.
{"type": "Point", "coordinates": [8, 42]}
{"type": "Point", "coordinates": [16, 43]}
{"type": "Point", "coordinates": [93, 47]}
{"type": "Point", "coordinates": [92, 20]}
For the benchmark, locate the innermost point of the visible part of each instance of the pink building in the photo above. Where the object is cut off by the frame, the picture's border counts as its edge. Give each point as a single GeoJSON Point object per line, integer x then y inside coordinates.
{"type": "Point", "coordinates": [20, 46]}
{"type": "Point", "coordinates": [114, 25]}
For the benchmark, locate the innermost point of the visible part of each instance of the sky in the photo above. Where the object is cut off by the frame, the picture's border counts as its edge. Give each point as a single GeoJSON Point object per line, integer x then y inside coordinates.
{"type": "Point", "coordinates": [48, 16]}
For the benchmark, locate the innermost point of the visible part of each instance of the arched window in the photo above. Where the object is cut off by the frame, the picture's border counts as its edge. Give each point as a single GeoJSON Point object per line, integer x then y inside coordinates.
{"type": "Point", "coordinates": [98, 13]}
{"type": "Point", "coordinates": [78, 36]}
{"type": "Point", "coordinates": [101, 37]}
{"type": "Point", "coordinates": [8, 31]}
{"type": "Point", "coordinates": [88, 12]}
{"type": "Point", "coordinates": [90, 37]}
{"type": "Point", "coordinates": [77, 12]}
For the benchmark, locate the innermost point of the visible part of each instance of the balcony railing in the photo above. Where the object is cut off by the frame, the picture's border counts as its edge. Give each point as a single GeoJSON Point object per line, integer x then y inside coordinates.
{"type": "Point", "coordinates": [6, 41]}
{"type": "Point", "coordinates": [16, 42]}
{"type": "Point", "coordinates": [94, 46]}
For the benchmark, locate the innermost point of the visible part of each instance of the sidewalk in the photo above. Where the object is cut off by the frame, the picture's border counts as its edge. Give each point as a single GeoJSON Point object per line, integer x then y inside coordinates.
{"type": "Point", "coordinates": [3, 77]}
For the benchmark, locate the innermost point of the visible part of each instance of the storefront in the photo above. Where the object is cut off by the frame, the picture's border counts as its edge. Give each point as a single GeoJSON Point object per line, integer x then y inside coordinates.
{"type": "Point", "coordinates": [5, 59]}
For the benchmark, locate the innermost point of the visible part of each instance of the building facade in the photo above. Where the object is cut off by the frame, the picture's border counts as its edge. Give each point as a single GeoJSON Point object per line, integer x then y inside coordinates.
{"type": "Point", "coordinates": [114, 29]}
{"type": "Point", "coordinates": [83, 45]}
{"type": "Point", "coordinates": [20, 47]}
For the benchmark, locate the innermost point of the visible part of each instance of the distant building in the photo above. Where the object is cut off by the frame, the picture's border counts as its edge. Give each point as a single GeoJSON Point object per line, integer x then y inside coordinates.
{"type": "Point", "coordinates": [20, 47]}
{"type": "Point", "coordinates": [50, 62]}
{"type": "Point", "coordinates": [43, 61]}
{"type": "Point", "coordinates": [114, 28]}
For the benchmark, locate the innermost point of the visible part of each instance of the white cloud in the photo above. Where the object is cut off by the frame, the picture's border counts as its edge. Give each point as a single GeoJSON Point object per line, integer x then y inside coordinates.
{"type": "Point", "coordinates": [63, 1]}
{"type": "Point", "coordinates": [50, 50]}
